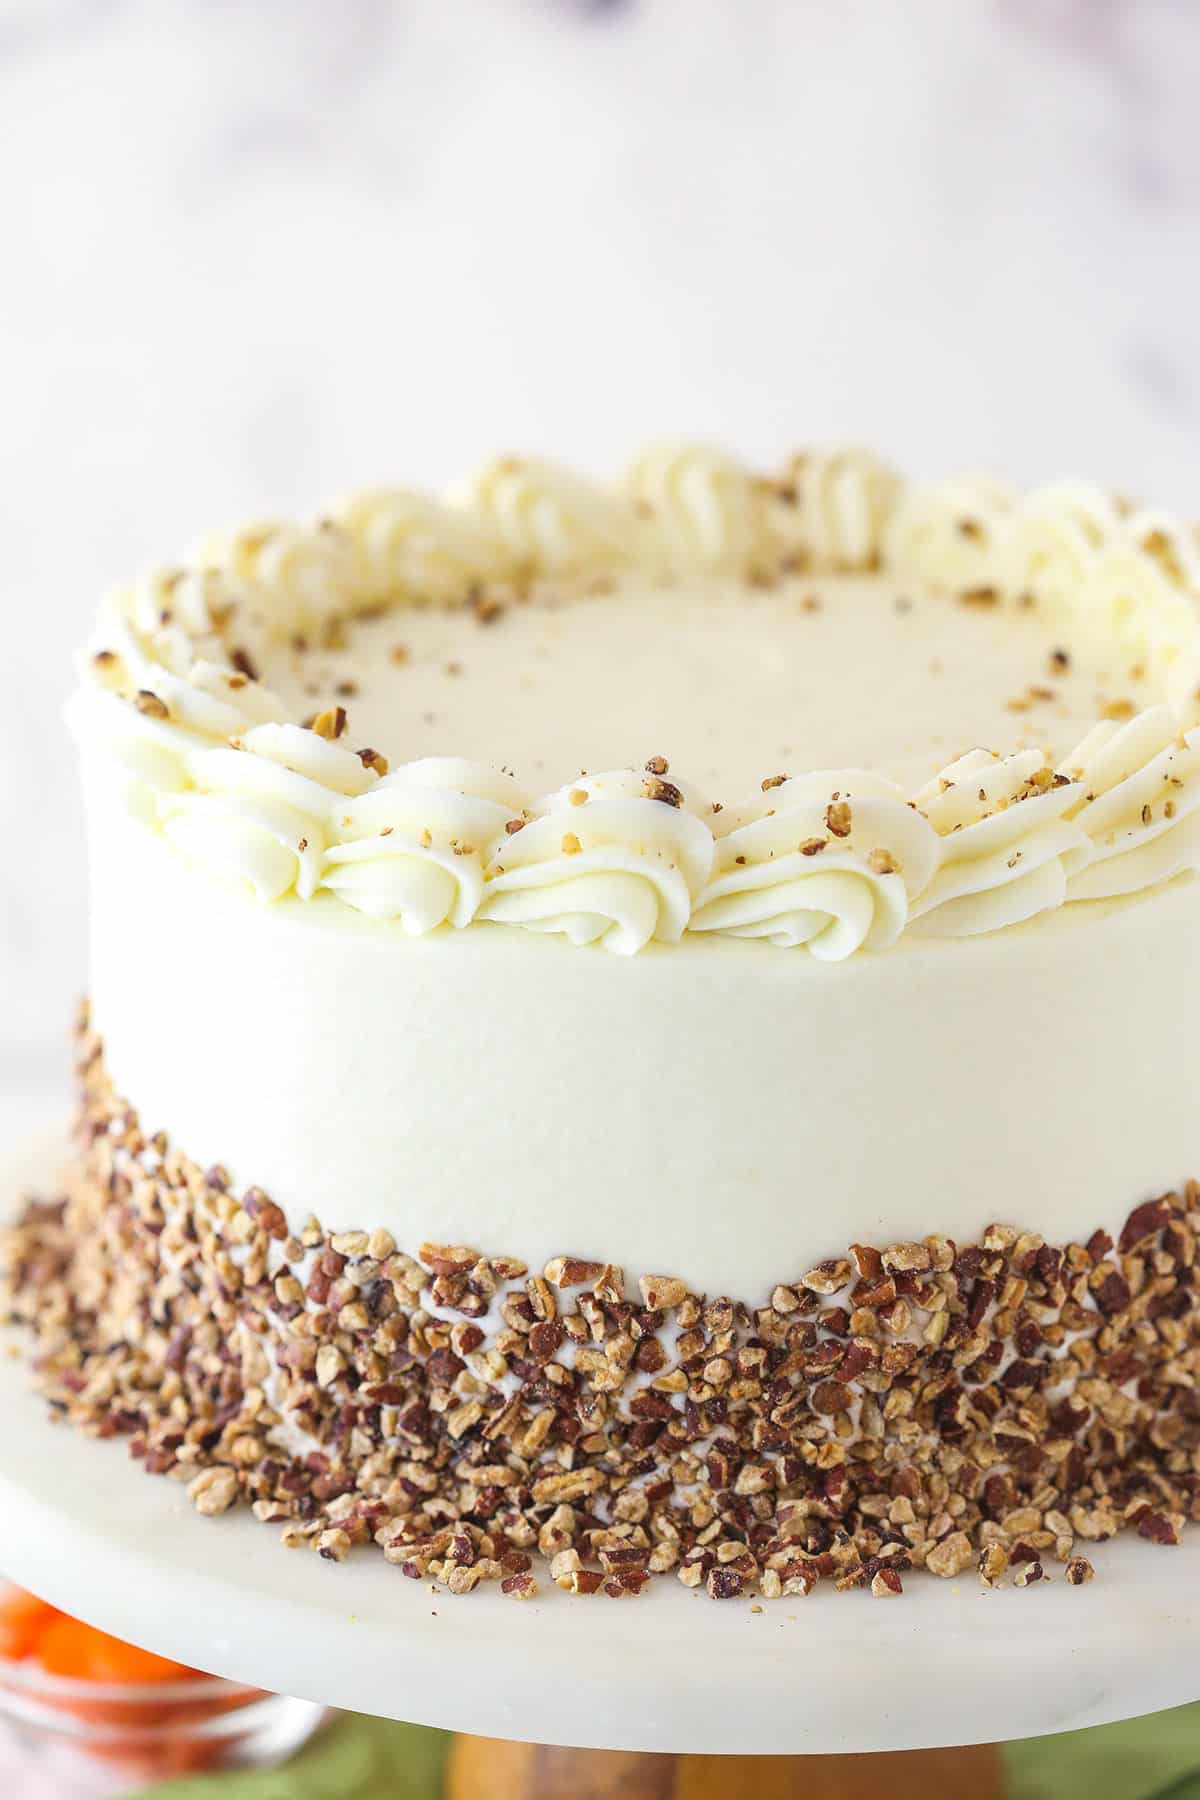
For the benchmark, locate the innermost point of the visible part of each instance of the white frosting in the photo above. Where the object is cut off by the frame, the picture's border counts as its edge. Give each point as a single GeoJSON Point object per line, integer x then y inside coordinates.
{"type": "Point", "coordinates": [834, 507]}
{"type": "Point", "coordinates": [699, 510]}
{"type": "Point", "coordinates": [1141, 788]}
{"type": "Point", "coordinates": [784, 873]}
{"type": "Point", "coordinates": [1006, 844]}
{"type": "Point", "coordinates": [1054, 544]}
{"type": "Point", "coordinates": [210, 758]}
{"type": "Point", "coordinates": [296, 576]}
{"type": "Point", "coordinates": [731, 682]}
{"type": "Point", "coordinates": [603, 863]}
{"type": "Point", "coordinates": [548, 520]}
{"type": "Point", "coordinates": [260, 812]}
{"type": "Point", "coordinates": [414, 848]}
{"type": "Point", "coordinates": [711, 1109]}
{"type": "Point", "coordinates": [1143, 601]}
{"type": "Point", "coordinates": [949, 535]}
{"type": "Point", "coordinates": [410, 546]}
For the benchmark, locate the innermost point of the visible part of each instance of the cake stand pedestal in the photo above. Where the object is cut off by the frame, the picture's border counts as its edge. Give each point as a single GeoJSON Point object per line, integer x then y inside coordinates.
{"type": "Point", "coordinates": [506, 1771]}
{"type": "Point", "coordinates": [673, 1673]}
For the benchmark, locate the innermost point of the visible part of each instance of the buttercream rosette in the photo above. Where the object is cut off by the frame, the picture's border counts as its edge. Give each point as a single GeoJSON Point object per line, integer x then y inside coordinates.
{"type": "Point", "coordinates": [1142, 592]}
{"type": "Point", "coordinates": [1139, 804]}
{"type": "Point", "coordinates": [259, 813]}
{"type": "Point", "coordinates": [550, 521]}
{"type": "Point", "coordinates": [616, 859]}
{"type": "Point", "coordinates": [950, 535]}
{"type": "Point", "coordinates": [698, 511]}
{"type": "Point", "coordinates": [831, 508]}
{"type": "Point", "coordinates": [412, 848]}
{"type": "Point", "coordinates": [159, 684]}
{"type": "Point", "coordinates": [1054, 543]}
{"type": "Point", "coordinates": [1006, 844]}
{"type": "Point", "coordinates": [829, 861]}
{"type": "Point", "coordinates": [290, 578]}
{"type": "Point", "coordinates": [409, 547]}
{"type": "Point", "coordinates": [1183, 683]}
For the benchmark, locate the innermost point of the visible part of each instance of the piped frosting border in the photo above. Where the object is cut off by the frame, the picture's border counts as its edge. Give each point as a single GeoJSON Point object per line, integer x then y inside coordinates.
{"type": "Point", "coordinates": [831, 860]}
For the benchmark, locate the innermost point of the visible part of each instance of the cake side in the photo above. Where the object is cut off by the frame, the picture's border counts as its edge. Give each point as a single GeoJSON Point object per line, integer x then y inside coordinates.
{"type": "Point", "coordinates": [709, 1108]}
{"type": "Point", "coordinates": [925, 1404]}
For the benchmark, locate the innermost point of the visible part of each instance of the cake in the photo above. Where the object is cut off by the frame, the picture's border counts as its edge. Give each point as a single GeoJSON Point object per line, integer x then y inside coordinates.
{"type": "Point", "coordinates": [646, 1030]}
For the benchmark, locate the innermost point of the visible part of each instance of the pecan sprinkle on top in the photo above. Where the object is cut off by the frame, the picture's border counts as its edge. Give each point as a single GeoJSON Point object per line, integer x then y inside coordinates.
{"type": "Point", "coordinates": [331, 723]}
{"type": "Point", "coordinates": [655, 788]}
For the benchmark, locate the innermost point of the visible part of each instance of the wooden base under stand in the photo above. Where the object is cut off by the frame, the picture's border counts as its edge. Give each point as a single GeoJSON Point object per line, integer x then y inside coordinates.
{"type": "Point", "coordinates": [491, 1769]}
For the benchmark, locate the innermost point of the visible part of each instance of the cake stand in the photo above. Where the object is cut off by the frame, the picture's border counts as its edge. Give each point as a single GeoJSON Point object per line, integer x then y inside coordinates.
{"type": "Point", "coordinates": [671, 1671]}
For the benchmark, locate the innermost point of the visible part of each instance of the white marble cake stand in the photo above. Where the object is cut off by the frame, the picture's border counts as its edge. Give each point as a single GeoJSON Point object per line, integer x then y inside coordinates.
{"type": "Point", "coordinates": [948, 1664]}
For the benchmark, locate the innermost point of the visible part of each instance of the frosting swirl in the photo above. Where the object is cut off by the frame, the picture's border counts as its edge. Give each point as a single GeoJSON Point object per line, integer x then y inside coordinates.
{"type": "Point", "coordinates": [1183, 683]}
{"type": "Point", "coordinates": [1139, 804]}
{"type": "Point", "coordinates": [158, 683]}
{"type": "Point", "coordinates": [699, 510]}
{"type": "Point", "coordinates": [258, 843]}
{"type": "Point", "coordinates": [611, 859]}
{"type": "Point", "coordinates": [410, 547]}
{"type": "Point", "coordinates": [413, 847]}
{"type": "Point", "coordinates": [833, 507]}
{"type": "Point", "coordinates": [1054, 544]}
{"type": "Point", "coordinates": [549, 520]}
{"type": "Point", "coordinates": [1142, 591]}
{"type": "Point", "coordinates": [949, 534]}
{"type": "Point", "coordinates": [828, 861]}
{"type": "Point", "coordinates": [260, 814]}
{"type": "Point", "coordinates": [296, 577]}
{"type": "Point", "coordinates": [1006, 843]}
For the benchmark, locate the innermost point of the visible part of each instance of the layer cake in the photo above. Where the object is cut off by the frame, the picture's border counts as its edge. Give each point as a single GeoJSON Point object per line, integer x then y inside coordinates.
{"type": "Point", "coordinates": [646, 1029]}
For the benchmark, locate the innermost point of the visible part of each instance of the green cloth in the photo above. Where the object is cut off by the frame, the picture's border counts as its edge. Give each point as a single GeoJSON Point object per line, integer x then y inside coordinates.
{"type": "Point", "coordinates": [358, 1758]}
{"type": "Point", "coordinates": [1140, 1759]}
{"type": "Point", "coordinates": [354, 1758]}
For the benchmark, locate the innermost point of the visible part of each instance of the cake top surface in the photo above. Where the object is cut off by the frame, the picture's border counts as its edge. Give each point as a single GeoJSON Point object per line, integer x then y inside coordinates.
{"type": "Point", "coordinates": [731, 683]}
{"type": "Point", "coordinates": [822, 708]}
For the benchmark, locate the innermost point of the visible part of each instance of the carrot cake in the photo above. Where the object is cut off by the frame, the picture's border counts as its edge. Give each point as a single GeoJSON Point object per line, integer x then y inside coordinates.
{"type": "Point", "coordinates": [644, 1030]}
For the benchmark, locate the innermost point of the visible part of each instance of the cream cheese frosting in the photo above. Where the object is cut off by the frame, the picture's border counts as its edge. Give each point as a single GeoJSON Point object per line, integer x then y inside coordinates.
{"type": "Point", "coordinates": [732, 683]}
{"type": "Point", "coordinates": [832, 616]}
{"type": "Point", "coordinates": [710, 1107]}
{"type": "Point", "coordinates": [942, 739]}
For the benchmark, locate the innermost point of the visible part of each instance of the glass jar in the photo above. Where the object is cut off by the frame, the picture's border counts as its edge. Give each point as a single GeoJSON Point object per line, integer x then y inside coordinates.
{"type": "Point", "coordinates": [67, 1739]}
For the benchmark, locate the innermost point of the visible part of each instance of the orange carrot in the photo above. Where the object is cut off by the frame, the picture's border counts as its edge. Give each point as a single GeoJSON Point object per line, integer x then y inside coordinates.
{"type": "Point", "coordinates": [68, 1647]}
{"type": "Point", "coordinates": [149, 1739]}
{"type": "Point", "coordinates": [23, 1619]}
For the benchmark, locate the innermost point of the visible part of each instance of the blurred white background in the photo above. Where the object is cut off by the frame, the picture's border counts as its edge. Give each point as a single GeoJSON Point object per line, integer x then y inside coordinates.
{"type": "Point", "coordinates": [256, 251]}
